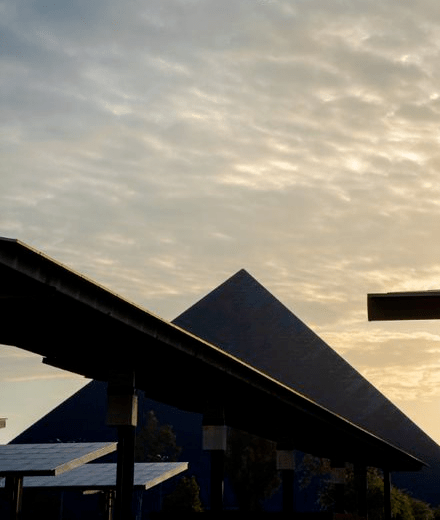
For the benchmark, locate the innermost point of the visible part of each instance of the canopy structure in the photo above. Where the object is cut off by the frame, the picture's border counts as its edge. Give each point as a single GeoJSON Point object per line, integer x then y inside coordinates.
{"type": "Point", "coordinates": [244, 319]}
{"type": "Point", "coordinates": [20, 460]}
{"type": "Point", "coordinates": [89, 478]}
{"type": "Point", "coordinates": [49, 459]}
{"type": "Point", "coordinates": [78, 325]}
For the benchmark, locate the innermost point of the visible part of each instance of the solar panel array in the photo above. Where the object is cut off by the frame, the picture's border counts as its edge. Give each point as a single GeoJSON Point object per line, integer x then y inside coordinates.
{"type": "Point", "coordinates": [49, 459]}
{"type": "Point", "coordinates": [103, 476]}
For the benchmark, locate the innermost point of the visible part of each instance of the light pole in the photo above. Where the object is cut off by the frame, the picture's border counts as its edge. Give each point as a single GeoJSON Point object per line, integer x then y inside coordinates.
{"type": "Point", "coordinates": [421, 305]}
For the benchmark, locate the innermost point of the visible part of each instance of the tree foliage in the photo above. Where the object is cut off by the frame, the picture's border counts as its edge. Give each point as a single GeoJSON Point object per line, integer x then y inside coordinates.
{"type": "Point", "coordinates": [251, 469]}
{"type": "Point", "coordinates": [156, 442]}
{"type": "Point", "coordinates": [403, 505]}
{"type": "Point", "coordinates": [185, 498]}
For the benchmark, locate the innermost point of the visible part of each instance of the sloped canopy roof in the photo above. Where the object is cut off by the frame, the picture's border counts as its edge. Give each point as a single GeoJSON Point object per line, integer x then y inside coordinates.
{"type": "Point", "coordinates": [80, 326]}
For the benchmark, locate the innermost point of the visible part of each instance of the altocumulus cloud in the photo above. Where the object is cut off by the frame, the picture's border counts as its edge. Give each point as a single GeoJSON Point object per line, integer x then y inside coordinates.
{"type": "Point", "coordinates": [159, 147]}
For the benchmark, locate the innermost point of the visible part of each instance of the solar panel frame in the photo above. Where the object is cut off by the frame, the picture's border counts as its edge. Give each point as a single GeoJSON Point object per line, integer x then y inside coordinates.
{"type": "Point", "coordinates": [99, 476]}
{"type": "Point", "coordinates": [49, 459]}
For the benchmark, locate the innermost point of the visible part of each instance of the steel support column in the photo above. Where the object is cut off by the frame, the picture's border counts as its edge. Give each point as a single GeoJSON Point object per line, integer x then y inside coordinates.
{"type": "Point", "coordinates": [14, 490]}
{"type": "Point", "coordinates": [288, 480]}
{"type": "Point", "coordinates": [217, 480]}
{"type": "Point", "coordinates": [338, 480]}
{"type": "Point", "coordinates": [387, 494]}
{"type": "Point", "coordinates": [360, 477]}
{"type": "Point", "coordinates": [122, 413]}
{"type": "Point", "coordinates": [109, 504]}
{"type": "Point", "coordinates": [125, 473]}
{"type": "Point", "coordinates": [214, 441]}
{"type": "Point", "coordinates": [286, 466]}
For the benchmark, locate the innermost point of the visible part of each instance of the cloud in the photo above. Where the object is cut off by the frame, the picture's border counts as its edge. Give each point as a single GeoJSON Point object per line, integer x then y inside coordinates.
{"type": "Point", "coordinates": [8, 352]}
{"type": "Point", "coordinates": [418, 385]}
{"type": "Point", "coordinates": [20, 366]}
{"type": "Point", "coordinates": [40, 377]}
{"type": "Point", "coordinates": [158, 148]}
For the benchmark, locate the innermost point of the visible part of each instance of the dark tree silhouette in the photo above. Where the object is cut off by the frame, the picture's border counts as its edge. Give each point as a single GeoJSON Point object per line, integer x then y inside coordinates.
{"type": "Point", "coordinates": [251, 469]}
{"type": "Point", "coordinates": [185, 498]}
{"type": "Point", "coordinates": [156, 442]}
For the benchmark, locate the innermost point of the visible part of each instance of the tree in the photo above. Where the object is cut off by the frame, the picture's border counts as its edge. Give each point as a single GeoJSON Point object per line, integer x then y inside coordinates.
{"type": "Point", "coordinates": [156, 442]}
{"type": "Point", "coordinates": [403, 505]}
{"type": "Point", "coordinates": [251, 469]}
{"type": "Point", "coordinates": [185, 498]}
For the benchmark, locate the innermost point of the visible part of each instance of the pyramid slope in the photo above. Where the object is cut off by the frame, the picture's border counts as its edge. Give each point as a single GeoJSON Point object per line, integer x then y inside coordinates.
{"type": "Point", "coordinates": [243, 318]}
{"type": "Point", "coordinates": [82, 418]}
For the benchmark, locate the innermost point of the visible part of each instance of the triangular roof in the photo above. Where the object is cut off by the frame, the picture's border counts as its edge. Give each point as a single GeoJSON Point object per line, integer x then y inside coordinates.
{"type": "Point", "coordinates": [246, 320]}
{"type": "Point", "coordinates": [243, 318]}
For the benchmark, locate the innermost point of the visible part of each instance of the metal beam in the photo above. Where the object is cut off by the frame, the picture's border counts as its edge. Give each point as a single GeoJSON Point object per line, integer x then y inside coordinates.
{"type": "Point", "coordinates": [91, 323]}
{"type": "Point", "coordinates": [122, 412]}
{"type": "Point", "coordinates": [423, 305]}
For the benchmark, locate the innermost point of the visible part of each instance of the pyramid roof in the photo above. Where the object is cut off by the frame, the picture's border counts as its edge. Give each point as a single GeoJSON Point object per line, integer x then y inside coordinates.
{"type": "Point", "coordinates": [245, 319]}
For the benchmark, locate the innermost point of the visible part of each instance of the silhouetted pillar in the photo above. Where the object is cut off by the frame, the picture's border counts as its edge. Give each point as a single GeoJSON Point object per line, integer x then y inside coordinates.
{"type": "Point", "coordinates": [286, 466]}
{"type": "Point", "coordinates": [338, 480]}
{"type": "Point", "coordinates": [387, 494]}
{"type": "Point", "coordinates": [107, 499]}
{"type": "Point", "coordinates": [14, 490]}
{"type": "Point", "coordinates": [360, 478]}
{"type": "Point", "coordinates": [214, 440]}
{"type": "Point", "coordinates": [122, 413]}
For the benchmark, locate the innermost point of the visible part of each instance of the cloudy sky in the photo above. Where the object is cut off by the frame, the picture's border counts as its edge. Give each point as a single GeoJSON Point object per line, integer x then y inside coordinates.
{"type": "Point", "coordinates": [158, 147]}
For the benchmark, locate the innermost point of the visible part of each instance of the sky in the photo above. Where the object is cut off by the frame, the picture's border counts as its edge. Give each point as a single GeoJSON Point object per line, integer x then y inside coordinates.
{"type": "Point", "coordinates": [159, 147]}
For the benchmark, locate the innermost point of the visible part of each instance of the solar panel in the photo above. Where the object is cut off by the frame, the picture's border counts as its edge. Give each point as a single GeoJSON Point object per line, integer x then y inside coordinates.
{"type": "Point", "coordinates": [103, 476]}
{"type": "Point", "coordinates": [49, 459]}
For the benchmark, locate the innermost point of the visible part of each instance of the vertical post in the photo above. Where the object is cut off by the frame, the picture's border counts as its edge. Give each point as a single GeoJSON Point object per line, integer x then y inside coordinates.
{"type": "Point", "coordinates": [217, 480]}
{"type": "Point", "coordinates": [214, 440]}
{"type": "Point", "coordinates": [14, 488]}
{"type": "Point", "coordinates": [109, 502]}
{"type": "Point", "coordinates": [61, 505]}
{"type": "Point", "coordinates": [125, 472]}
{"type": "Point", "coordinates": [387, 494]}
{"type": "Point", "coordinates": [360, 477]}
{"type": "Point", "coordinates": [338, 479]}
{"type": "Point", "coordinates": [286, 465]}
{"type": "Point", "coordinates": [122, 412]}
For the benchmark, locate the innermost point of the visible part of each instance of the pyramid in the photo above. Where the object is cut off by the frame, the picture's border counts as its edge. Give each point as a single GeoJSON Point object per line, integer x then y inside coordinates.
{"type": "Point", "coordinates": [243, 318]}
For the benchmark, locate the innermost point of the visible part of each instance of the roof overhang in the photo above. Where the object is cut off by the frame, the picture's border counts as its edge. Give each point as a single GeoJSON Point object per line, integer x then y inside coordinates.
{"type": "Point", "coordinates": [80, 326]}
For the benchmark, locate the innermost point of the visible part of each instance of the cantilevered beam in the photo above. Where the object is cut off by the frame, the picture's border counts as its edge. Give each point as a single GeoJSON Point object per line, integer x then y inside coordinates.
{"type": "Point", "coordinates": [422, 305]}
{"type": "Point", "coordinates": [77, 325]}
